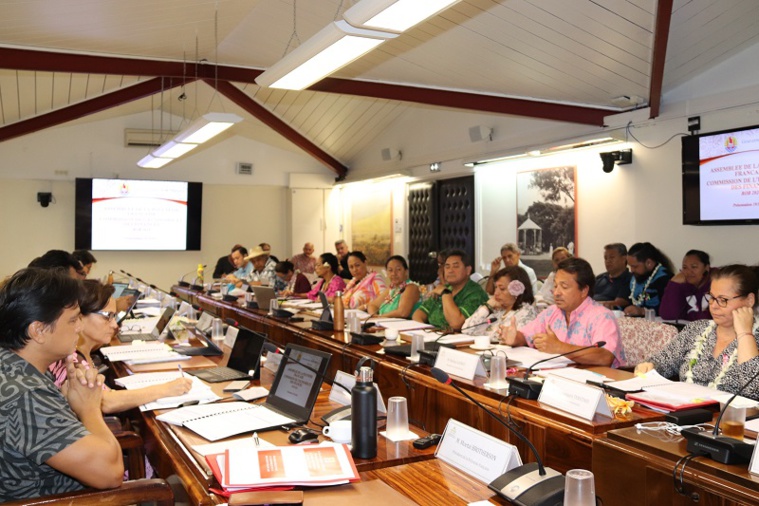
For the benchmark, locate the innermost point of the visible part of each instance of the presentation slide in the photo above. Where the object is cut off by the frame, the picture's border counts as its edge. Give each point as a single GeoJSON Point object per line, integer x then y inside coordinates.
{"type": "Point", "coordinates": [729, 175]}
{"type": "Point", "coordinates": [139, 215]}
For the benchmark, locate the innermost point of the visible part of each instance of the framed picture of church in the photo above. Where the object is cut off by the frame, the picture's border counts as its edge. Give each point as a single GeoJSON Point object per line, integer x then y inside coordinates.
{"type": "Point", "coordinates": [546, 216]}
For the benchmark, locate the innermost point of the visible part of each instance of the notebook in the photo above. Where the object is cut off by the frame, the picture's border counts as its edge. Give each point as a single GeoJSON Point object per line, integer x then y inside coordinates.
{"type": "Point", "coordinates": [243, 360]}
{"type": "Point", "coordinates": [155, 333]}
{"type": "Point", "coordinates": [290, 402]}
{"type": "Point", "coordinates": [264, 296]}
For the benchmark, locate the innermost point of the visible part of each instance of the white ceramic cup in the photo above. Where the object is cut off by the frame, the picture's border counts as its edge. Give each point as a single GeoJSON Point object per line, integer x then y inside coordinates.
{"type": "Point", "coordinates": [391, 334]}
{"type": "Point", "coordinates": [338, 431]}
{"type": "Point", "coordinates": [482, 342]}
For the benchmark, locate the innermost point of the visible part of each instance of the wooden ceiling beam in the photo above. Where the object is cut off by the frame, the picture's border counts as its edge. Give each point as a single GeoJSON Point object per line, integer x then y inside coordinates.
{"type": "Point", "coordinates": [91, 106]}
{"type": "Point", "coordinates": [239, 97]}
{"type": "Point", "coordinates": [661, 37]}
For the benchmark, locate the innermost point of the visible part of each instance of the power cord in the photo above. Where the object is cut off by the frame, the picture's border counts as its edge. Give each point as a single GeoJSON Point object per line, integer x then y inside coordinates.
{"type": "Point", "coordinates": [679, 481]}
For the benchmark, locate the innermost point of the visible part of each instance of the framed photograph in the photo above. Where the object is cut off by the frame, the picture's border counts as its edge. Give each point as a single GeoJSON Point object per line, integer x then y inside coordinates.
{"type": "Point", "coordinates": [546, 215]}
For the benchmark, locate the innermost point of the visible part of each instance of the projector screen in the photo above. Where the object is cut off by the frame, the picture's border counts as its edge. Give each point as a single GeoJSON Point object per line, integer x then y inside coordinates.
{"type": "Point", "coordinates": [137, 215]}
{"type": "Point", "coordinates": [721, 177]}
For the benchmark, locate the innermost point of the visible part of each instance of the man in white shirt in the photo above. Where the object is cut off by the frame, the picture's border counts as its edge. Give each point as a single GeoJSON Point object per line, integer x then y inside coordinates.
{"type": "Point", "coordinates": [510, 257]}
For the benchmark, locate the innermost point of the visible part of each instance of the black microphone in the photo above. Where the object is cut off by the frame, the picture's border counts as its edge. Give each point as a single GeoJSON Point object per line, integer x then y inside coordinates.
{"type": "Point", "coordinates": [365, 324]}
{"type": "Point", "coordinates": [528, 389]}
{"type": "Point", "coordinates": [184, 283]}
{"type": "Point", "coordinates": [537, 484]}
{"type": "Point", "coordinates": [724, 449]}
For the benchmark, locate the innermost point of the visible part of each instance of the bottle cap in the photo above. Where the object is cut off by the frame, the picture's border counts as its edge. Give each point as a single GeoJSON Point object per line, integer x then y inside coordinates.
{"type": "Point", "coordinates": [338, 294]}
{"type": "Point", "coordinates": [365, 375]}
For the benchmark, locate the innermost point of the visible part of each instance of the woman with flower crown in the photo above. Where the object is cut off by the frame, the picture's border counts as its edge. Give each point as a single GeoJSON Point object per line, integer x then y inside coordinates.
{"type": "Point", "coordinates": [402, 298]}
{"type": "Point", "coordinates": [512, 298]}
{"type": "Point", "coordinates": [720, 353]}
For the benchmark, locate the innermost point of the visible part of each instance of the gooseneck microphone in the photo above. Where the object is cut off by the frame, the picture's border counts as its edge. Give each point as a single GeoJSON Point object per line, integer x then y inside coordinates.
{"type": "Point", "coordinates": [528, 389]}
{"type": "Point", "coordinates": [724, 449]}
{"type": "Point", "coordinates": [184, 283]}
{"type": "Point", "coordinates": [527, 485]}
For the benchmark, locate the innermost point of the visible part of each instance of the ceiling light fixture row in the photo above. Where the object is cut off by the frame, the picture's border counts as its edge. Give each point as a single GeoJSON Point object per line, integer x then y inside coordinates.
{"type": "Point", "coordinates": [364, 26]}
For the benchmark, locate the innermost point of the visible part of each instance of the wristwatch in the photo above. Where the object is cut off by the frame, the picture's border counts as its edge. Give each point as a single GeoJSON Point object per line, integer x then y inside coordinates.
{"type": "Point", "coordinates": [446, 291]}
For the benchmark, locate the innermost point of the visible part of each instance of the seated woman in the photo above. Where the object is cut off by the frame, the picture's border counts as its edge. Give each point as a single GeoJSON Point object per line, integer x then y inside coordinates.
{"type": "Point", "coordinates": [685, 295]}
{"type": "Point", "coordinates": [720, 353]}
{"type": "Point", "coordinates": [52, 441]}
{"type": "Point", "coordinates": [364, 286]}
{"type": "Point", "coordinates": [288, 281]}
{"type": "Point", "coordinates": [98, 310]}
{"type": "Point", "coordinates": [512, 299]}
{"type": "Point", "coordinates": [329, 283]}
{"type": "Point", "coordinates": [545, 294]}
{"type": "Point", "coordinates": [403, 296]}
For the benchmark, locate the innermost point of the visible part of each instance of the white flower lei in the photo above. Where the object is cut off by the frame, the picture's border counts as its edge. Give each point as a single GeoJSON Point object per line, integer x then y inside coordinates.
{"type": "Point", "coordinates": [637, 301]}
{"type": "Point", "coordinates": [698, 349]}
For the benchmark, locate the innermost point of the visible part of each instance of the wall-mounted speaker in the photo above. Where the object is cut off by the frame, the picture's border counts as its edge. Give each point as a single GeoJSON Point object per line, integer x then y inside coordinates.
{"type": "Point", "coordinates": [480, 133]}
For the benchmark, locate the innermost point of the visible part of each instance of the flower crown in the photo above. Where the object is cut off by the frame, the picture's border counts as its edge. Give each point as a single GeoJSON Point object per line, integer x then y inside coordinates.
{"type": "Point", "coordinates": [516, 288]}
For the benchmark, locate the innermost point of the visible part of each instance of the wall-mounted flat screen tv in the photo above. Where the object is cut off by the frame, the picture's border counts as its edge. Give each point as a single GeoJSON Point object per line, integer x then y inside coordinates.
{"type": "Point", "coordinates": [137, 215]}
{"type": "Point", "coordinates": [721, 177]}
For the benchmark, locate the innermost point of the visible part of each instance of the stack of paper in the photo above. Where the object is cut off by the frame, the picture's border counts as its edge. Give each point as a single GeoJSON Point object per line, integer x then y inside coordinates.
{"type": "Point", "coordinates": [200, 391]}
{"type": "Point", "coordinates": [527, 356]}
{"type": "Point", "coordinates": [143, 353]}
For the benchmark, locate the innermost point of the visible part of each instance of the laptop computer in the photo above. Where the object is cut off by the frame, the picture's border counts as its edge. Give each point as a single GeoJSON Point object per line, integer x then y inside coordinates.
{"type": "Point", "coordinates": [243, 360]}
{"type": "Point", "coordinates": [123, 314]}
{"type": "Point", "coordinates": [118, 289]}
{"type": "Point", "coordinates": [155, 333]}
{"type": "Point", "coordinates": [264, 296]}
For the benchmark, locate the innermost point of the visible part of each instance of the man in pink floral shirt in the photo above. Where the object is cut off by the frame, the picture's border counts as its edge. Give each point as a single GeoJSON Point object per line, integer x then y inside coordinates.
{"type": "Point", "coordinates": [574, 321]}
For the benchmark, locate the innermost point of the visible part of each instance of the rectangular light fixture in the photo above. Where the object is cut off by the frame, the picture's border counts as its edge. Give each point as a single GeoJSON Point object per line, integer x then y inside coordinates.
{"type": "Point", "coordinates": [201, 130]}
{"type": "Point", "coordinates": [394, 15]}
{"type": "Point", "coordinates": [330, 49]}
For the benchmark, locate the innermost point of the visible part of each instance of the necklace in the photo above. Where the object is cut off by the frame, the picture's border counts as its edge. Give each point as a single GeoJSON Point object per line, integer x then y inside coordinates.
{"type": "Point", "coordinates": [698, 350]}
{"type": "Point", "coordinates": [642, 296]}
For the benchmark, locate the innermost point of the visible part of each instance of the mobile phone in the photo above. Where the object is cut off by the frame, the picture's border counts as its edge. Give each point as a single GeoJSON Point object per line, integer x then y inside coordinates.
{"type": "Point", "coordinates": [426, 442]}
{"type": "Point", "coordinates": [236, 386]}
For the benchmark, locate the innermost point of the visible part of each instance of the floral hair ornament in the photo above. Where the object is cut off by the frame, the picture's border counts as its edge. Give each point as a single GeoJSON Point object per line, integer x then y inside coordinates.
{"type": "Point", "coordinates": [516, 288]}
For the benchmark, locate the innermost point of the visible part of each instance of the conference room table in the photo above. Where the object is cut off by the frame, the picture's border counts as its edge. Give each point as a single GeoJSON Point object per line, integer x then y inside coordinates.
{"type": "Point", "coordinates": [563, 441]}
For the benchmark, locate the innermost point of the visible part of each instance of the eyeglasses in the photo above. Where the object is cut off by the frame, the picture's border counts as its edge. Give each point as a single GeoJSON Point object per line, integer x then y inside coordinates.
{"type": "Point", "coordinates": [108, 315]}
{"type": "Point", "coordinates": [720, 301]}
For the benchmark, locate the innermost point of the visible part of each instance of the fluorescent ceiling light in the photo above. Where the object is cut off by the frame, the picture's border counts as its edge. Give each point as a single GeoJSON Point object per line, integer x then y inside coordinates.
{"type": "Point", "coordinates": [201, 130]}
{"type": "Point", "coordinates": [153, 162]}
{"type": "Point", "coordinates": [394, 15]}
{"type": "Point", "coordinates": [332, 48]}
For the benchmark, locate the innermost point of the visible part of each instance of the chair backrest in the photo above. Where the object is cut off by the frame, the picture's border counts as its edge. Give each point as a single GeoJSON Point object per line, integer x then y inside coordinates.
{"type": "Point", "coordinates": [642, 338]}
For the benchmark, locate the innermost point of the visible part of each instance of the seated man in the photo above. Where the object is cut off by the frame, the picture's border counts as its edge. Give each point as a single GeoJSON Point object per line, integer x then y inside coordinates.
{"type": "Point", "coordinates": [651, 271]}
{"type": "Point", "coordinates": [52, 441]}
{"type": "Point", "coordinates": [452, 302]}
{"type": "Point", "coordinates": [243, 265]}
{"type": "Point", "coordinates": [342, 257]}
{"type": "Point", "coordinates": [225, 265]}
{"type": "Point", "coordinates": [613, 286]}
{"type": "Point", "coordinates": [574, 321]}
{"type": "Point", "coordinates": [267, 248]}
{"type": "Point", "coordinates": [511, 257]}
{"type": "Point", "coordinates": [305, 262]}
{"type": "Point", "coordinates": [263, 268]}
{"type": "Point", "coordinates": [86, 258]}
{"type": "Point", "coordinates": [59, 259]}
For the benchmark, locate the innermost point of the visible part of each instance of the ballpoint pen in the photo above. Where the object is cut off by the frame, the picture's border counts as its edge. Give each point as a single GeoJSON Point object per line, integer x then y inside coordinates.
{"type": "Point", "coordinates": [255, 439]}
{"type": "Point", "coordinates": [181, 372]}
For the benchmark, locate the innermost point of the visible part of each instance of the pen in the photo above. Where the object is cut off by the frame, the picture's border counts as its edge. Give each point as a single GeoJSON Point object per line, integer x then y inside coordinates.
{"type": "Point", "coordinates": [181, 372]}
{"type": "Point", "coordinates": [255, 439]}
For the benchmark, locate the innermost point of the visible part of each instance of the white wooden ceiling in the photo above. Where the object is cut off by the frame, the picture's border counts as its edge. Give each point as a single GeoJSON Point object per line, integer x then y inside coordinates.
{"type": "Point", "coordinates": [575, 52]}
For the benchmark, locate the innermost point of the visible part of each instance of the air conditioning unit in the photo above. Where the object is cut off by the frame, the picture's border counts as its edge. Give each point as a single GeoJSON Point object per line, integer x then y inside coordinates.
{"type": "Point", "coordinates": [139, 138]}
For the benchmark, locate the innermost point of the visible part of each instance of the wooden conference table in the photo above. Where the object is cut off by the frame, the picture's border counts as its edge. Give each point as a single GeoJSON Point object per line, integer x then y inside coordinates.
{"type": "Point", "coordinates": [564, 441]}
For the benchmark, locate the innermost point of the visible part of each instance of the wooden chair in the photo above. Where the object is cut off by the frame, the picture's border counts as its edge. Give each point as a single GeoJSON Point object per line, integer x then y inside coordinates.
{"type": "Point", "coordinates": [130, 492]}
{"type": "Point", "coordinates": [132, 445]}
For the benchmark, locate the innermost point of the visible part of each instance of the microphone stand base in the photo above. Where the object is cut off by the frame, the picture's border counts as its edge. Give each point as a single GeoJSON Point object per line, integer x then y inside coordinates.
{"type": "Point", "coordinates": [184, 284]}
{"type": "Point", "coordinates": [524, 486]}
{"type": "Point", "coordinates": [722, 449]}
{"type": "Point", "coordinates": [198, 288]}
{"type": "Point", "coordinates": [524, 388]}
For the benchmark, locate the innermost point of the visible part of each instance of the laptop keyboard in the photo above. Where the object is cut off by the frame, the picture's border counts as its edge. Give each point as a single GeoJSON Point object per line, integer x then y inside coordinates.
{"type": "Point", "coordinates": [128, 338]}
{"type": "Point", "coordinates": [220, 374]}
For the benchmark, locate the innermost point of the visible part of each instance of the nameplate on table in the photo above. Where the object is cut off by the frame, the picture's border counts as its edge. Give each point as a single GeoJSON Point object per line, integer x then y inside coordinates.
{"type": "Point", "coordinates": [340, 396]}
{"type": "Point", "coordinates": [231, 336]}
{"type": "Point", "coordinates": [459, 363]}
{"type": "Point", "coordinates": [475, 453]}
{"type": "Point", "coordinates": [272, 361]}
{"type": "Point", "coordinates": [573, 397]}
{"type": "Point", "coordinates": [753, 466]}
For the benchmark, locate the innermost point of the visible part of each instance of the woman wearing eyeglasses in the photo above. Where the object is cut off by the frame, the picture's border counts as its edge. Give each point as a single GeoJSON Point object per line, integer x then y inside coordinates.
{"type": "Point", "coordinates": [98, 309]}
{"type": "Point", "coordinates": [719, 353]}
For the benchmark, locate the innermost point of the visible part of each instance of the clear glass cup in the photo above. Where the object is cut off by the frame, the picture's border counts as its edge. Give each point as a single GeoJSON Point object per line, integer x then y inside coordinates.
{"type": "Point", "coordinates": [273, 305]}
{"type": "Point", "coordinates": [397, 418]}
{"type": "Point", "coordinates": [580, 488]}
{"type": "Point", "coordinates": [733, 422]}
{"type": "Point", "coordinates": [498, 372]}
{"type": "Point", "coordinates": [417, 343]}
{"type": "Point", "coordinates": [217, 330]}
{"type": "Point", "coordinates": [249, 297]}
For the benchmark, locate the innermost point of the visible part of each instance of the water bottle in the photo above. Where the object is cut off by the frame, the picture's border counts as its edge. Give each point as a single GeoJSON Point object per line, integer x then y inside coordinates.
{"type": "Point", "coordinates": [364, 415]}
{"type": "Point", "coordinates": [339, 310]}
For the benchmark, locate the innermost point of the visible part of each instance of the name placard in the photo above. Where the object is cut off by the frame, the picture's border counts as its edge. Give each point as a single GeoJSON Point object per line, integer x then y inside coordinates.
{"type": "Point", "coordinates": [475, 453]}
{"type": "Point", "coordinates": [573, 397]}
{"type": "Point", "coordinates": [272, 361]}
{"type": "Point", "coordinates": [337, 394]}
{"type": "Point", "coordinates": [458, 363]}
{"type": "Point", "coordinates": [753, 466]}
{"type": "Point", "coordinates": [231, 336]}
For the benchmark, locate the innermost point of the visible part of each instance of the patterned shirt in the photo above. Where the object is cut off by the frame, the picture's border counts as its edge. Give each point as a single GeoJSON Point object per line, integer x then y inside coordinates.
{"type": "Point", "coordinates": [673, 360]}
{"type": "Point", "coordinates": [336, 284]}
{"type": "Point", "coordinates": [652, 298]}
{"type": "Point", "coordinates": [36, 422]}
{"type": "Point", "coordinates": [358, 293]}
{"type": "Point", "coordinates": [467, 300]}
{"type": "Point", "coordinates": [588, 324]}
{"type": "Point", "coordinates": [303, 263]}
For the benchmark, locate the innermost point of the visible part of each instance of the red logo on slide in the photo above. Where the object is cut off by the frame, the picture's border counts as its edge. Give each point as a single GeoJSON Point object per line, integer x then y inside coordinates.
{"type": "Point", "coordinates": [124, 190]}
{"type": "Point", "coordinates": [731, 144]}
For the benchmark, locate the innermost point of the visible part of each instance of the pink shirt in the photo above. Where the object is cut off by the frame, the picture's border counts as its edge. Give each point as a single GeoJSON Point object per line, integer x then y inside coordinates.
{"type": "Point", "coordinates": [336, 284]}
{"type": "Point", "coordinates": [589, 323]}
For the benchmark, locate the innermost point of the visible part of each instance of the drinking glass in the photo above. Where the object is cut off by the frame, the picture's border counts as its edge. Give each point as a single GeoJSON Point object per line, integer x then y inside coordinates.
{"type": "Point", "coordinates": [580, 489]}
{"type": "Point", "coordinates": [397, 418]}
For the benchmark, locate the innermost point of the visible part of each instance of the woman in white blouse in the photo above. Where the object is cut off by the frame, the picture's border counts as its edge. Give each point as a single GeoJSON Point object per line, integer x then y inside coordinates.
{"type": "Point", "coordinates": [512, 298]}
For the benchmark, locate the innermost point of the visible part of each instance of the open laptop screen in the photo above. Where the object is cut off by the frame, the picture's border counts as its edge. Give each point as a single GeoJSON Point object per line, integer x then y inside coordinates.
{"type": "Point", "coordinates": [247, 350]}
{"type": "Point", "coordinates": [295, 388]}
